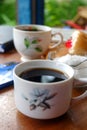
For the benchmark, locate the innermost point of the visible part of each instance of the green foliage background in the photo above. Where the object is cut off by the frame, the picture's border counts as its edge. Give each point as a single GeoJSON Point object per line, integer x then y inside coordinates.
{"type": "Point", "coordinates": [55, 12]}
{"type": "Point", "coordinates": [8, 12]}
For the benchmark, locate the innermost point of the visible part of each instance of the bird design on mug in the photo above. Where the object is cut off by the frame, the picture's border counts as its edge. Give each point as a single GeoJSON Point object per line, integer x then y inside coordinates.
{"type": "Point", "coordinates": [40, 99]}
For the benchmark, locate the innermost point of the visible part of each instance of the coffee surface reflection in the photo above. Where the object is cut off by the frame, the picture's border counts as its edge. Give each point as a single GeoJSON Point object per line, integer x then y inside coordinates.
{"type": "Point", "coordinates": [43, 75]}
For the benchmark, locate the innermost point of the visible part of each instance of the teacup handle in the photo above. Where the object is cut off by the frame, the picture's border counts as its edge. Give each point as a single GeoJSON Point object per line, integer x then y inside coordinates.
{"type": "Point", "coordinates": [75, 99]}
{"type": "Point", "coordinates": [56, 44]}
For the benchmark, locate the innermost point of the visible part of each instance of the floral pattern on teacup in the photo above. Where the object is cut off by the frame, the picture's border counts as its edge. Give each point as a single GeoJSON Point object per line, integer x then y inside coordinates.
{"type": "Point", "coordinates": [40, 98]}
{"type": "Point", "coordinates": [28, 42]}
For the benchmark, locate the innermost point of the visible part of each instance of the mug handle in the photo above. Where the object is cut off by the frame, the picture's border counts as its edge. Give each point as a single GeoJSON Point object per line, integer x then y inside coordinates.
{"type": "Point", "coordinates": [75, 99]}
{"type": "Point", "coordinates": [59, 42]}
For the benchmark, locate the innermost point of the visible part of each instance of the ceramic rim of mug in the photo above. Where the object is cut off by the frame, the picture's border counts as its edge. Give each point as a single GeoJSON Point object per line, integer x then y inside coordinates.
{"type": "Point", "coordinates": [42, 27]}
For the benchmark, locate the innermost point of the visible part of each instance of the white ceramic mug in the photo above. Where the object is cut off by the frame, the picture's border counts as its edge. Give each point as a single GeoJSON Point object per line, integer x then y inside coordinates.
{"type": "Point", "coordinates": [43, 100]}
{"type": "Point", "coordinates": [33, 44]}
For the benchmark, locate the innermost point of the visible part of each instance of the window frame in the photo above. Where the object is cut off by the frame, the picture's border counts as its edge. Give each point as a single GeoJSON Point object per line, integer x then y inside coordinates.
{"type": "Point", "coordinates": [30, 11]}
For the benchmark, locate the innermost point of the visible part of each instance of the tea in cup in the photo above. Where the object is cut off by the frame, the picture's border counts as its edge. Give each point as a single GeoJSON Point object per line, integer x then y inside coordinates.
{"type": "Point", "coordinates": [33, 41]}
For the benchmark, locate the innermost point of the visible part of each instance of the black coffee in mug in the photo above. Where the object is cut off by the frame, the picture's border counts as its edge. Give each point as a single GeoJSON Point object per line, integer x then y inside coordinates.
{"type": "Point", "coordinates": [43, 75]}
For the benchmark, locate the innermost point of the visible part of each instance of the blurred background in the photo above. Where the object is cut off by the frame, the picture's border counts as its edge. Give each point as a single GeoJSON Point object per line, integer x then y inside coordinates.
{"type": "Point", "coordinates": [56, 12]}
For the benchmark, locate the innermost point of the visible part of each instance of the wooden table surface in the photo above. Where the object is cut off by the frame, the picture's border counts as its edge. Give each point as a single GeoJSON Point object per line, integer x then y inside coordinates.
{"type": "Point", "coordinates": [11, 119]}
